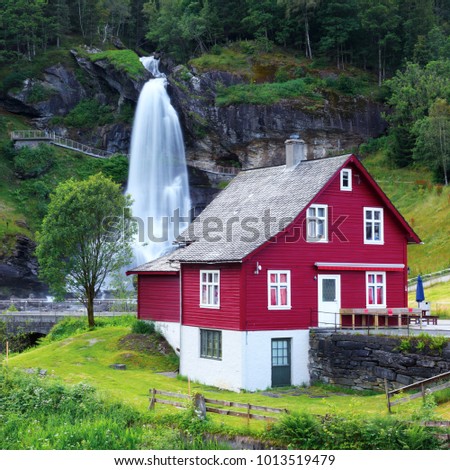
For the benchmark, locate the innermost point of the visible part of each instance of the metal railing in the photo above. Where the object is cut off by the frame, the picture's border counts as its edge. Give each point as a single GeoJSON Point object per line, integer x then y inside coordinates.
{"type": "Point", "coordinates": [372, 320]}
{"type": "Point", "coordinates": [428, 277]}
{"type": "Point", "coordinates": [216, 169]}
{"type": "Point", "coordinates": [32, 135]}
{"type": "Point", "coordinates": [60, 141]}
{"type": "Point", "coordinates": [43, 306]}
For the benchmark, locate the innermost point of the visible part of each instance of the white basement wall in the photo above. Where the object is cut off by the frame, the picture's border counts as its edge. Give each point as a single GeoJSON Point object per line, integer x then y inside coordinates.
{"type": "Point", "coordinates": [171, 332]}
{"type": "Point", "coordinates": [246, 359]}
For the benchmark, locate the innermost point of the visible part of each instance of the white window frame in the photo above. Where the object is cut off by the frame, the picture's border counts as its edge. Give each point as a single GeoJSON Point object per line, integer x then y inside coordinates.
{"type": "Point", "coordinates": [348, 172]}
{"type": "Point", "coordinates": [372, 221]}
{"type": "Point", "coordinates": [209, 288]}
{"type": "Point", "coordinates": [314, 219]}
{"type": "Point", "coordinates": [374, 285]}
{"type": "Point", "coordinates": [204, 333]}
{"type": "Point", "coordinates": [277, 284]}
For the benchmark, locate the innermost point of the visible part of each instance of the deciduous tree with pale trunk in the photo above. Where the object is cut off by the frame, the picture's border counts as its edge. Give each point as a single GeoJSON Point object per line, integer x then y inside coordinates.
{"type": "Point", "coordinates": [86, 235]}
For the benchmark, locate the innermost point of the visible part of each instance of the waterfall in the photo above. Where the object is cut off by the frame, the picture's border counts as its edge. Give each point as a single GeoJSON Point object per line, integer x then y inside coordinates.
{"type": "Point", "coordinates": [157, 179]}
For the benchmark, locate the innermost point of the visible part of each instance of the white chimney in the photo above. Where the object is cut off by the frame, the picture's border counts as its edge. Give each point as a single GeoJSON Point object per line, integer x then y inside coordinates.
{"type": "Point", "coordinates": [295, 152]}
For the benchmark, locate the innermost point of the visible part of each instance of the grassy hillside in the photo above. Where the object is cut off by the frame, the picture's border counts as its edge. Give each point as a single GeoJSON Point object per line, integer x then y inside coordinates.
{"type": "Point", "coordinates": [425, 206]}
{"type": "Point", "coordinates": [87, 357]}
{"type": "Point", "coordinates": [335, 418]}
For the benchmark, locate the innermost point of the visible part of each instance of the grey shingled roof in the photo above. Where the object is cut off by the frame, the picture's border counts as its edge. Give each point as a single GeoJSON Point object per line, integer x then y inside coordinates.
{"type": "Point", "coordinates": [276, 191]}
{"type": "Point", "coordinates": [162, 264]}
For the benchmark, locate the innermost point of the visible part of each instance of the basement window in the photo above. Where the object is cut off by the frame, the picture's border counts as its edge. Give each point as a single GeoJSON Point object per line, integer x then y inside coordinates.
{"type": "Point", "coordinates": [346, 179]}
{"type": "Point", "coordinates": [211, 344]}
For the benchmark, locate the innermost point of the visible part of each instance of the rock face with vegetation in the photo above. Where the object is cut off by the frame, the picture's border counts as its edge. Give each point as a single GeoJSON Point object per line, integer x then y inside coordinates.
{"type": "Point", "coordinates": [253, 134]}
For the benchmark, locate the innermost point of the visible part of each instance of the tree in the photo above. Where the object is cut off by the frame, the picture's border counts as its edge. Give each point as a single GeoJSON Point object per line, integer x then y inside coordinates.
{"type": "Point", "coordinates": [413, 91]}
{"type": "Point", "coordinates": [433, 139]}
{"type": "Point", "coordinates": [302, 8]}
{"type": "Point", "coordinates": [85, 236]}
{"type": "Point", "coordinates": [381, 20]}
{"type": "Point", "coordinates": [338, 22]}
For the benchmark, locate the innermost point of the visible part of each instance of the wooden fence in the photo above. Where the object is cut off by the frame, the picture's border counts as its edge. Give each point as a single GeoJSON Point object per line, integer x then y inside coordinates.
{"type": "Point", "coordinates": [201, 405]}
{"type": "Point", "coordinates": [422, 385]}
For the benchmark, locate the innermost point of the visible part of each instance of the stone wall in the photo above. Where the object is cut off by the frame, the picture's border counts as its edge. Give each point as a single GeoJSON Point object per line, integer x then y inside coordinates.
{"type": "Point", "coordinates": [364, 362]}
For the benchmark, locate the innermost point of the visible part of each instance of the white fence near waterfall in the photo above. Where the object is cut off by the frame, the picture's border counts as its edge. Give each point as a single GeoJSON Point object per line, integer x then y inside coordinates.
{"type": "Point", "coordinates": [52, 138]}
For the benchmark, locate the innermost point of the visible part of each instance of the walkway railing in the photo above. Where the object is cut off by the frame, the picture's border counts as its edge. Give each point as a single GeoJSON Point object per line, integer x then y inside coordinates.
{"type": "Point", "coordinates": [437, 276]}
{"type": "Point", "coordinates": [216, 169]}
{"type": "Point", "coordinates": [53, 138]}
{"type": "Point", "coordinates": [45, 306]}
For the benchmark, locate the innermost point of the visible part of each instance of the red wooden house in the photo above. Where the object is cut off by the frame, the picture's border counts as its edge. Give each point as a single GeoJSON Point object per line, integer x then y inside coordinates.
{"type": "Point", "coordinates": [280, 250]}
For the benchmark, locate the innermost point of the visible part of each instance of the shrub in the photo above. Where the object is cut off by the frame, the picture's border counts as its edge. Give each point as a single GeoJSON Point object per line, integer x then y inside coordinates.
{"type": "Point", "coordinates": [38, 93]}
{"type": "Point", "coordinates": [143, 327]}
{"type": "Point", "coordinates": [89, 114]}
{"type": "Point", "coordinates": [373, 146]}
{"type": "Point", "coordinates": [13, 80]}
{"type": "Point", "coordinates": [116, 168]}
{"type": "Point", "coordinates": [422, 343]}
{"type": "Point", "coordinates": [216, 49]}
{"type": "Point", "coordinates": [299, 431]}
{"type": "Point", "coordinates": [282, 75]}
{"type": "Point", "coordinates": [334, 432]}
{"type": "Point", "coordinates": [33, 162]}
{"type": "Point", "coordinates": [42, 414]}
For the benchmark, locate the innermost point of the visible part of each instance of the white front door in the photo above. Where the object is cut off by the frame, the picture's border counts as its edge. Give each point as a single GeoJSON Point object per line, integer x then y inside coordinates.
{"type": "Point", "coordinates": [329, 300]}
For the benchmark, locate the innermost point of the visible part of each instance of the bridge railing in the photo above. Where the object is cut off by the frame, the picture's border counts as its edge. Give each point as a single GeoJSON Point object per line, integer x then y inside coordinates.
{"type": "Point", "coordinates": [216, 169]}
{"type": "Point", "coordinates": [29, 134]}
{"type": "Point", "coordinates": [71, 144]}
{"type": "Point", "coordinates": [42, 305]}
{"type": "Point", "coordinates": [60, 141]}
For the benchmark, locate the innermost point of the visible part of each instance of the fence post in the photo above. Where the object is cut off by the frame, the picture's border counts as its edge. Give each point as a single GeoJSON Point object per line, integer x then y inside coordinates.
{"type": "Point", "coordinates": [248, 413]}
{"type": "Point", "coordinates": [387, 395]}
{"type": "Point", "coordinates": [200, 405]}
{"type": "Point", "coordinates": [151, 406]}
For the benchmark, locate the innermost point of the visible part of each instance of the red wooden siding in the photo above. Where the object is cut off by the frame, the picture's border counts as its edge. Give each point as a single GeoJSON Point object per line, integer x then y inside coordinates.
{"type": "Point", "coordinates": [228, 316]}
{"type": "Point", "coordinates": [345, 245]}
{"type": "Point", "coordinates": [159, 297]}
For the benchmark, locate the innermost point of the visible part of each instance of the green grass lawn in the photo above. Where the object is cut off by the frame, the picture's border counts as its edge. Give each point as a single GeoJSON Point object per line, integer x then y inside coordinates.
{"type": "Point", "coordinates": [87, 358]}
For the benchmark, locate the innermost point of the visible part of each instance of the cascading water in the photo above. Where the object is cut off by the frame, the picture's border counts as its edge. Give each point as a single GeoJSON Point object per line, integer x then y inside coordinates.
{"type": "Point", "coordinates": [157, 179]}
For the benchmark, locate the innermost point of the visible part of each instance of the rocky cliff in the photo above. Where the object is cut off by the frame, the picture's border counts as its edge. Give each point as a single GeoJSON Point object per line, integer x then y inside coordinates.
{"type": "Point", "coordinates": [253, 135]}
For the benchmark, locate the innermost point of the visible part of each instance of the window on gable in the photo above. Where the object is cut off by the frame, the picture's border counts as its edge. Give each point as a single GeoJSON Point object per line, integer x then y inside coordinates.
{"type": "Point", "coordinates": [279, 289]}
{"type": "Point", "coordinates": [373, 225]}
{"type": "Point", "coordinates": [210, 289]}
{"type": "Point", "coordinates": [211, 344]}
{"type": "Point", "coordinates": [376, 289]}
{"type": "Point", "coordinates": [317, 223]}
{"type": "Point", "coordinates": [346, 179]}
